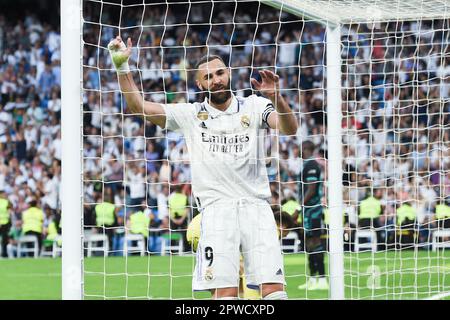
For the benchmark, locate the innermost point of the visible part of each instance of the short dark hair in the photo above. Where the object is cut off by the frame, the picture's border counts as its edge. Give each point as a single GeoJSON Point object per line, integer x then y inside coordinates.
{"type": "Point", "coordinates": [308, 145]}
{"type": "Point", "coordinates": [208, 58]}
{"type": "Point", "coordinates": [177, 188]}
{"type": "Point", "coordinates": [282, 218]}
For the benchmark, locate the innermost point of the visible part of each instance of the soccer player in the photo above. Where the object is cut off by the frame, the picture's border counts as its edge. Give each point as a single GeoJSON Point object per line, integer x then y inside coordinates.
{"type": "Point", "coordinates": [224, 136]}
{"type": "Point", "coordinates": [311, 194]}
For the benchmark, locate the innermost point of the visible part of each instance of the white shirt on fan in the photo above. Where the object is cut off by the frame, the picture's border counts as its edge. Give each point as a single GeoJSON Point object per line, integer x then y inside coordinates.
{"type": "Point", "coordinates": [136, 183]}
{"type": "Point", "coordinates": [226, 150]}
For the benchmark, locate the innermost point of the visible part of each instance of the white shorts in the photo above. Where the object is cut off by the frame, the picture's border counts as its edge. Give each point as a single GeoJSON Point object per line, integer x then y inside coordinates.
{"type": "Point", "coordinates": [229, 228]}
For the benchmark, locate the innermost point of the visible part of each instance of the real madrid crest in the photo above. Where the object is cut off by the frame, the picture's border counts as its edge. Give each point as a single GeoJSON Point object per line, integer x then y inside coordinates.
{"type": "Point", "coordinates": [245, 121]}
{"type": "Point", "coordinates": [209, 274]}
{"type": "Point", "coordinates": [202, 115]}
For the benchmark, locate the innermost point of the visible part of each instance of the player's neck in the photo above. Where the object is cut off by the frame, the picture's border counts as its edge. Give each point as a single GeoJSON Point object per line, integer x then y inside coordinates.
{"type": "Point", "coordinates": [222, 106]}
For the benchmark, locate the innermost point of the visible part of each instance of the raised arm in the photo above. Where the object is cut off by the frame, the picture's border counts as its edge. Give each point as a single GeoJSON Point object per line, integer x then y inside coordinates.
{"type": "Point", "coordinates": [284, 119]}
{"type": "Point", "coordinates": [120, 53]}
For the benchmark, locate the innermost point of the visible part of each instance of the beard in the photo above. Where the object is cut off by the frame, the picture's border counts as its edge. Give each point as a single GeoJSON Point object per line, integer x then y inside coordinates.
{"type": "Point", "coordinates": [222, 96]}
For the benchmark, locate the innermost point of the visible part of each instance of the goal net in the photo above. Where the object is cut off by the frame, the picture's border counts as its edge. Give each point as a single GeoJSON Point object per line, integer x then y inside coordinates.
{"type": "Point", "coordinates": [395, 139]}
{"type": "Point", "coordinates": [396, 144]}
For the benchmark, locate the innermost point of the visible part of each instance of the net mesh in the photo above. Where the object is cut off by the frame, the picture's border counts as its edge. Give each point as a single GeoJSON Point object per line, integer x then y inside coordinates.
{"type": "Point", "coordinates": [395, 135]}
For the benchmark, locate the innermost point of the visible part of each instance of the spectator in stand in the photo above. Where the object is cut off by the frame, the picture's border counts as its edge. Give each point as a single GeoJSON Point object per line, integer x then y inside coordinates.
{"type": "Point", "coordinates": [163, 207]}
{"type": "Point", "coordinates": [136, 184]}
{"type": "Point", "coordinates": [379, 117]}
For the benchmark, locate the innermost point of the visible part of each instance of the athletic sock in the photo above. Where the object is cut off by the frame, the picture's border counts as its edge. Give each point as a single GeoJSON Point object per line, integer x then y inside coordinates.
{"type": "Point", "coordinates": [320, 266]}
{"type": "Point", "coordinates": [312, 264]}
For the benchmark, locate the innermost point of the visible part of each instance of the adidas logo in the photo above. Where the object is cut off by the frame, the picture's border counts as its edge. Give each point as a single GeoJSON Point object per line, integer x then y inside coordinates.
{"type": "Point", "coordinates": [279, 272]}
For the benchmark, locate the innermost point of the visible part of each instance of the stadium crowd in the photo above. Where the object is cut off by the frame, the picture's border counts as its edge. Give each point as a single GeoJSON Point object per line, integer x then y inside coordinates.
{"type": "Point", "coordinates": [30, 166]}
{"type": "Point", "coordinates": [395, 117]}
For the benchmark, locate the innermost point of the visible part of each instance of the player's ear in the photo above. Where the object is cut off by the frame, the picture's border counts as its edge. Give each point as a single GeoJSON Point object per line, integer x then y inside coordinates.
{"type": "Point", "coordinates": [198, 85]}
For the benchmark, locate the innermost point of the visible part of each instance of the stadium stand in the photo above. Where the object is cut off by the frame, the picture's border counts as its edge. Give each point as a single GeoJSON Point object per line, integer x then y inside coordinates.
{"type": "Point", "coordinates": [30, 109]}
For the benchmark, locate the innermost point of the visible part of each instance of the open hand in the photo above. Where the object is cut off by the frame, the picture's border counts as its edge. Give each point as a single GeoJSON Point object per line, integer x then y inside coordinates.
{"type": "Point", "coordinates": [269, 85]}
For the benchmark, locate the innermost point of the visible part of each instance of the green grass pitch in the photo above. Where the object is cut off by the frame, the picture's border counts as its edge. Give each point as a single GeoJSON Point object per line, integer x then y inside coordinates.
{"type": "Point", "coordinates": [384, 275]}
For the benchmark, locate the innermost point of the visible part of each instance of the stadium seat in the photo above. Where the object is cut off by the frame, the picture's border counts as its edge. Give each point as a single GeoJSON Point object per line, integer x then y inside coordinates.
{"type": "Point", "coordinates": [54, 246]}
{"type": "Point", "coordinates": [22, 246]}
{"type": "Point", "coordinates": [167, 243]}
{"type": "Point", "coordinates": [128, 246]}
{"type": "Point", "coordinates": [371, 237]}
{"type": "Point", "coordinates": [439, 234]}
{"type": "Point", "coordinates": [47, 249]}
{"type": "Point", "coordinates": [290, 243]}
{"type": "Point", "coordinates": [93, 240]}
{"type": "Point", "coordinates": [57, 248]}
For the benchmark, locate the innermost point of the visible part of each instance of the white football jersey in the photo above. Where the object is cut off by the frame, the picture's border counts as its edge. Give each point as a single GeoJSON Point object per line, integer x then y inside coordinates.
{"type": "Point", "coordinates": [226, 148]}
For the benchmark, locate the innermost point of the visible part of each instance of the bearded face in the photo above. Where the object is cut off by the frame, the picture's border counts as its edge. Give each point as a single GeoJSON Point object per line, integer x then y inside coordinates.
{"type": "Point", "coordinates": [214, 77]}
{"type": "Point", "coordinates": [220, 94]}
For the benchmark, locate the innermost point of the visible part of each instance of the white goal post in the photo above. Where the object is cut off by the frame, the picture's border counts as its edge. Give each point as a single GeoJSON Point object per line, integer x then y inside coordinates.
{"type": "Point", "coordinates": [71, 136]}
{"type": "Point", "coordinates": [333, 14]}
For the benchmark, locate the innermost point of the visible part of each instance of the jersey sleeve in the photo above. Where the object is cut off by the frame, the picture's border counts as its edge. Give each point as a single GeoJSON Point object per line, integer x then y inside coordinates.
{"type": "Point", "coordinates": [179, 116]}
{"type": "Point", "coordinates": [264, 107]}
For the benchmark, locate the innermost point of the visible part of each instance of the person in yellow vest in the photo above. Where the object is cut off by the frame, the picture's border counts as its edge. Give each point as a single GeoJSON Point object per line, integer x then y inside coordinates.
{"type": "Point", "coordinates": [54, 228]}
{"type": "Point", "coordinates": [406, 220]}
{"type": "Point", "coordinates": [284, 223]}
{"type": "Point", "coordinates": [33, 221]}
{"type": "Point", "coordinates": [105, 217]}
{"type": "Point", "coordinates": [442, 214]}
{"type": "Point", "coordinates": [369, 212]}
{"type": "Point", "coordinates": [139, 222]}
{"type": "Point", "coordinates": [294, 209]}
{"type": "Point", "coordinates": [178, 213]}
{"type": "Point", "coordinates": [52, 231]}
{"type": "Point", "coordinates": [5, 222]}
